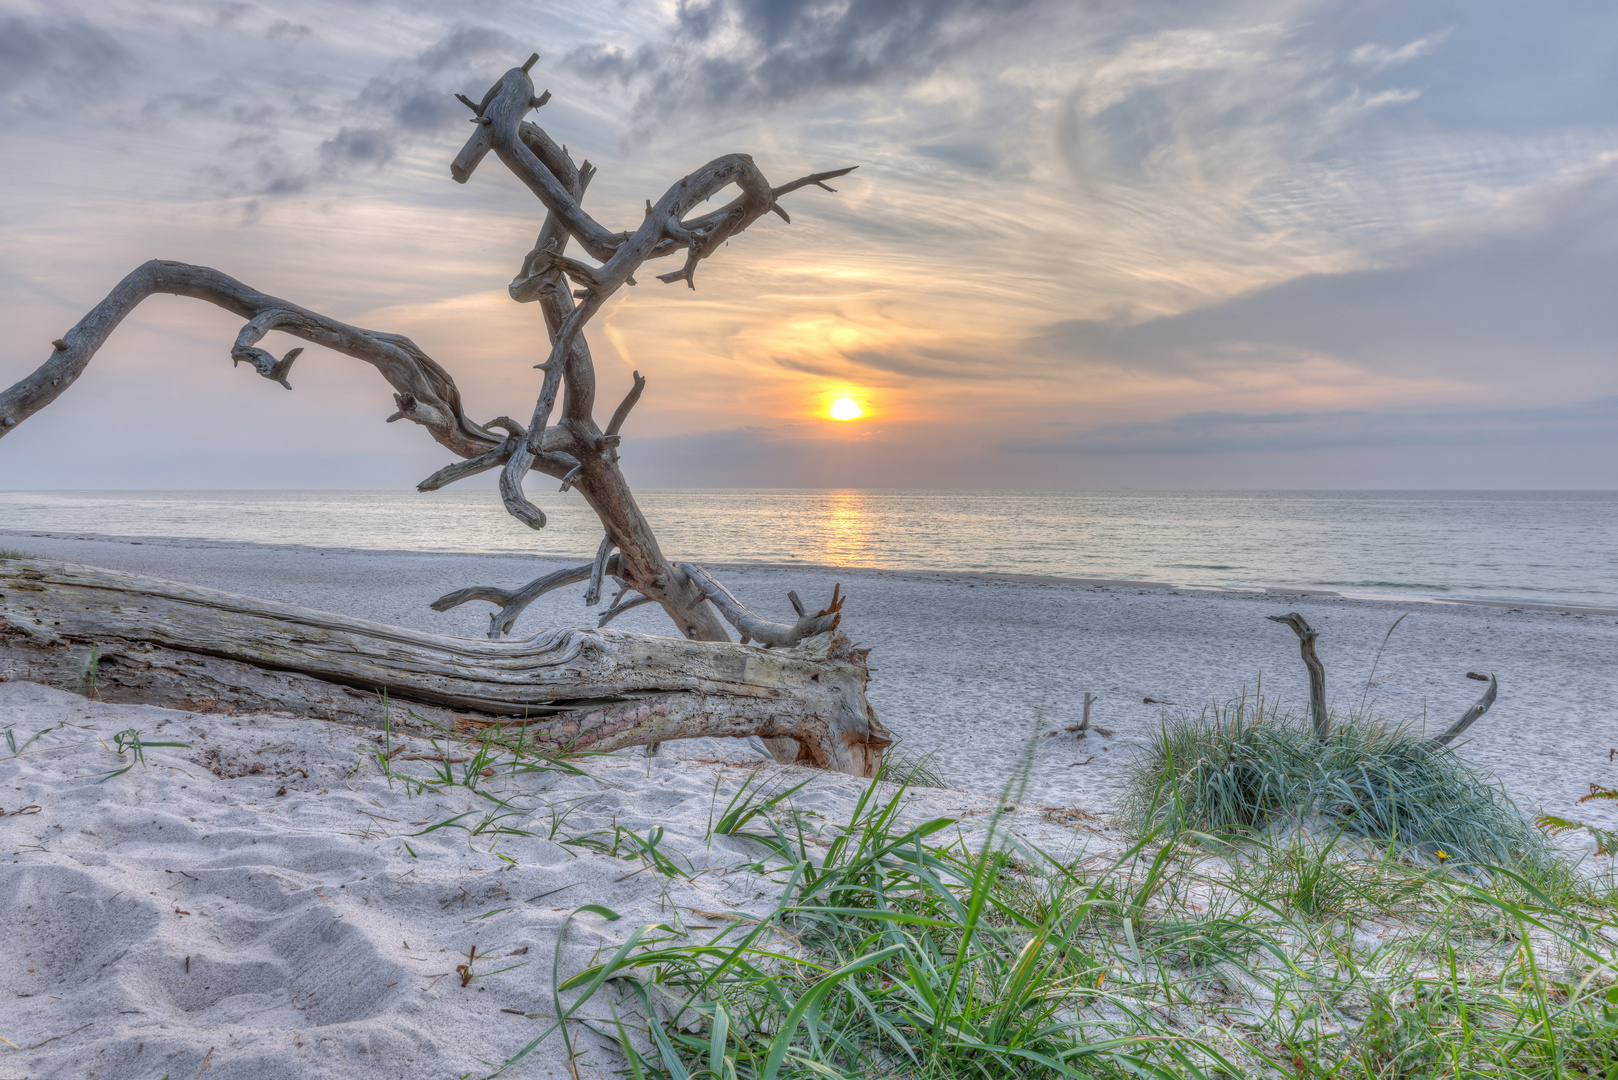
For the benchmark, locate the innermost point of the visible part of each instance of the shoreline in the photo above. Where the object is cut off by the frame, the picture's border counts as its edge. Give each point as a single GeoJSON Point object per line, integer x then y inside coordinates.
{"type": "Point", "coordinates": [909, 573]}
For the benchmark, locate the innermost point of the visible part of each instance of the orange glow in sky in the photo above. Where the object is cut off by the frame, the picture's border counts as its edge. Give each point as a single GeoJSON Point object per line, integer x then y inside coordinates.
{"type": "Point", "coordinates": [845, 408]}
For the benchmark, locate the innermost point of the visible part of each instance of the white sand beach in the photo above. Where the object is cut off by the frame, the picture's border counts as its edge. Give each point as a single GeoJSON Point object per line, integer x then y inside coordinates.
{"type": "Point", "coordinates": [310, 934]}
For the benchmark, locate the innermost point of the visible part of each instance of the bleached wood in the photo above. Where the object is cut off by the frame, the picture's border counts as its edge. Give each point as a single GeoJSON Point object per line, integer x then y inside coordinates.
{"type": "Point", "coordinates": [593, 689]}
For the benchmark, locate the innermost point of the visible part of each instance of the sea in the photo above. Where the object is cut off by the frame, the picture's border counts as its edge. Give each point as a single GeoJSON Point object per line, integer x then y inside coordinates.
{"type": "Point", "coordinates": [1547, 547]}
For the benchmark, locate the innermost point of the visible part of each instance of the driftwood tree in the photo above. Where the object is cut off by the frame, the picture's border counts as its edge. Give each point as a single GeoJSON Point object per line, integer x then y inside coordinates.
{"type": "Point", "coordinates": [818, 715]}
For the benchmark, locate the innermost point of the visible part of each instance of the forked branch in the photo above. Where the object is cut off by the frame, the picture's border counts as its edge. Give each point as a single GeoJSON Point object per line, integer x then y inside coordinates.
{"type": "Point", "coordinates": [753, 628]}
{"type": "Point", "coordinates": [512, 602]}
{"type": "Point", "coordinates": [545, 168]}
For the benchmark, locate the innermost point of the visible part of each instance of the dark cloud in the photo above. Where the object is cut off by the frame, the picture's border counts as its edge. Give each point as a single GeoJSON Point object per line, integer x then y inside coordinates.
{"type": "Point", "coordinates": [58, 61]}
{"type": "Point", "coordinates": [412, 100]}
{"type": "Point", "coordinates": [358, 146]}
{"type": "Point", "coordinates": [284, 30]}
{"type": "Point", "coordinates": [1578, 423]}
{"type": "Point", "coordinates": [759, 53]}
{"type": "Point", "coordinates": [916, 363]}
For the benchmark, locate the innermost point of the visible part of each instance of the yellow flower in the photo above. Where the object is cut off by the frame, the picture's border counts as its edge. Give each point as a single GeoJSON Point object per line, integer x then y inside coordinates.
{"type": "Point", "coordinates": [1442, 854]}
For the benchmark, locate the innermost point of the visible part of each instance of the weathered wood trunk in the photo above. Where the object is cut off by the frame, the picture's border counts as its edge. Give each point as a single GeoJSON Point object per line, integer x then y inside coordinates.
{"type": "Point", "coordinates": [164, 643]}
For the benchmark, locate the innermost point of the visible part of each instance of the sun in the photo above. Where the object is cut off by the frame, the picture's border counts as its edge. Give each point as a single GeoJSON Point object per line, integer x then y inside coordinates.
{"type": "Point", "coordinates": [844, 408]}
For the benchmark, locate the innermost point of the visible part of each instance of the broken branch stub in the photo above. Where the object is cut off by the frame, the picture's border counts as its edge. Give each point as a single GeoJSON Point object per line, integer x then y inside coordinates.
{"type": "Point", "coordinates": [1317, 671]}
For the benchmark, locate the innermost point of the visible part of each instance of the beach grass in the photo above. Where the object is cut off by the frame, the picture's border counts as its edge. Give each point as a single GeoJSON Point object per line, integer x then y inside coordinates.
{"type": "Point", "coordinates": [944, 948]}
{"type": "Point", "coordinates": [1238, 769]}
{"type": "Point", "coordinates": [912, 768]}
{"type": "Point", "coordinates": [11, 553]}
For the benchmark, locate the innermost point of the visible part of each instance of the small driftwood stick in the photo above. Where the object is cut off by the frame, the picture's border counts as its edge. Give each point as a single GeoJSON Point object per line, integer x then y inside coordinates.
{"type": "Point", "coordinates": [1084, 724]}
{"type": "Point", "coordinates": [1317, 671]}
{"type": "Point", "coordinates": [751, 627]}
{"type": "Point", "coordinates": [1469, 717]}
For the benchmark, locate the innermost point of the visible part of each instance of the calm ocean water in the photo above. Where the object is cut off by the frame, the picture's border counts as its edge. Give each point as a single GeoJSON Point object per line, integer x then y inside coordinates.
{"type": "Point", "coordinates": [1548, 547]}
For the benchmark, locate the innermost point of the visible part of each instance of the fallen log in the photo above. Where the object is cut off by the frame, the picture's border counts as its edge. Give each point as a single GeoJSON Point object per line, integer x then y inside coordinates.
{"type": "Point", "coordinates": [126, 637]}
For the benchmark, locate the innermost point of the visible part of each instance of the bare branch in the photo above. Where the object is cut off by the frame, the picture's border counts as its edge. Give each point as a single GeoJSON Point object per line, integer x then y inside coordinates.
{"type": "Point", "coordinates": [426, 393]}
{"type": "Point", "coordinates": [505, 105]}
{"type": "Point", "coordinates": [460, 470]}
{"type": "Point", "coordinates": [1471, 715]}
{"type": "Point", "coordinates": [751, 626]}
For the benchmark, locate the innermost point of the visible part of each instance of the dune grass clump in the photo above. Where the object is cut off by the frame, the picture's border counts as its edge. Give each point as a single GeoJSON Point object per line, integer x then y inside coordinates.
{"type": "Point", "coordinates": [11, 553]}
{"type": "Point", "coordinates": [1231, 771]}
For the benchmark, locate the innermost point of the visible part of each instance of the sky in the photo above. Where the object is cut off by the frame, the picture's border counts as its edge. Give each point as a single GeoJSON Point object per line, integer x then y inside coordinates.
{"type": "Point", "coordinates": [1244, 244]}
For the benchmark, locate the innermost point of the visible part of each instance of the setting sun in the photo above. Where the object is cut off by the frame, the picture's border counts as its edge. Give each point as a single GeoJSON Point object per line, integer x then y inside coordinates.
{"type": "Point", "coordinates": [845, 409]}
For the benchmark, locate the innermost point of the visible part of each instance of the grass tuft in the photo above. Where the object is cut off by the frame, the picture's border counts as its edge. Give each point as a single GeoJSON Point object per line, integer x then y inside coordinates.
{"type": "Point", "coordinates": [902, 765]}
{"type": "Point", "coordinates": [1231, 772]}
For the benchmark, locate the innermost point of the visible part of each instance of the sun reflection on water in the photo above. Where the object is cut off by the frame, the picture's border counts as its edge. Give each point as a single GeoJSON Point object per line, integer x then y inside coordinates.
{"type": "Point", "coordinates": [844, 529]}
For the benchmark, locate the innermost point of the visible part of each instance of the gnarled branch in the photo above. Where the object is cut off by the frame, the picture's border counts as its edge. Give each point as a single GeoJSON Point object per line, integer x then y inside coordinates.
{"type": "Point", "coordinates": [620, 607]}
{"type": "Point", "coordinates": [598, 572]}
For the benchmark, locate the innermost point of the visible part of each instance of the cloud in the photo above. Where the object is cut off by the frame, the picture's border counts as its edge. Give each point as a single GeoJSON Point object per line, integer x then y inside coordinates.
{"type": "Point", "coordinates": [1590, 421]}
{"type": "Point", "coordinates": [1380, 56]}
{"type": "Point", "coordinates": [58, 61]}
{"type": "Point", "coordinates": [1466, 304]}
{"type": "Point", "coordinates": [749, 54]}
{"type": "Point", "coordinates": [910, 363]}
{"type": "Point", "coordinates": [358, 146]}
{"type": "Point", "coordinates": [410, 101]}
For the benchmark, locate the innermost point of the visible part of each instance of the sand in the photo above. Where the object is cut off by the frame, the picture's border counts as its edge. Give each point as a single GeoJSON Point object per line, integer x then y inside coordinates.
{"type": "Point", "coordinates": [320, 945]}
